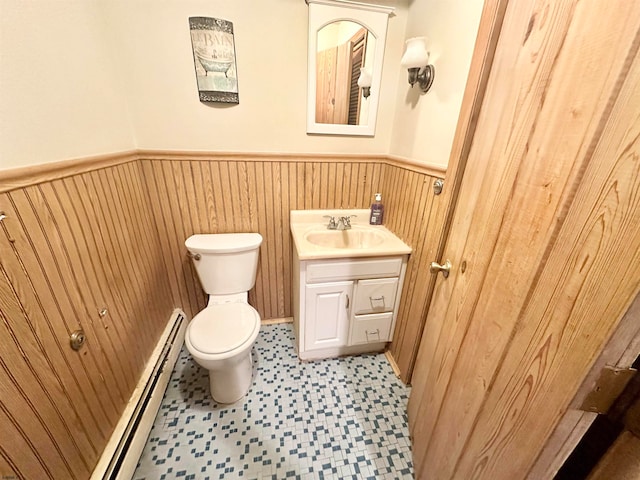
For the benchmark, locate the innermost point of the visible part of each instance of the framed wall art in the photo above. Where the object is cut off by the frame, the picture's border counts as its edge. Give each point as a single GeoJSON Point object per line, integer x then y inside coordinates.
{"type": "Point", "coordinates": [214, 57]}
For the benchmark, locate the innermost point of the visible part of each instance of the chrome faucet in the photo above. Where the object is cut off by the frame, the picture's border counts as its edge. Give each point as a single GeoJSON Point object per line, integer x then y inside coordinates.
{"type": "Point", "coordinates": [333, 223]}
{"type": "Point", "coordinates": [339, 223]}
{"type": "Point", "coordinates": [346, 221]}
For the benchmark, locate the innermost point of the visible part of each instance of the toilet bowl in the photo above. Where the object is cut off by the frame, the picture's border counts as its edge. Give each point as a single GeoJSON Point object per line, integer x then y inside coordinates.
{"type": "Point", "coordinates": [220, 337]}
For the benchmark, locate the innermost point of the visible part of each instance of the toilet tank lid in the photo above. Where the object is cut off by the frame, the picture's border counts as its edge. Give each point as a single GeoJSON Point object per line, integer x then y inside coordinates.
{"type": "Point", "coordinates": [223, 242]}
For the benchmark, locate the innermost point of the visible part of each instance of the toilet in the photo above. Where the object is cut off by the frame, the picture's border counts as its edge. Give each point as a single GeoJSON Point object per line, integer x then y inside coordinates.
{"type": "Point", "coordinates": [221, 336]}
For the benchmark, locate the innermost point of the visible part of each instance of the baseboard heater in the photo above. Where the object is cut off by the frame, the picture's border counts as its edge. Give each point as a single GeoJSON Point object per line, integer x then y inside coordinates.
{"type": "Point", "coordinates": [120, 457]}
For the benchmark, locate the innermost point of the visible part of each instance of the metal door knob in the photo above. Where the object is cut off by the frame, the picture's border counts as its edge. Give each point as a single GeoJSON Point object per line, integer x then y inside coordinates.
{"type": "Point", "coordinates": [435, 267]}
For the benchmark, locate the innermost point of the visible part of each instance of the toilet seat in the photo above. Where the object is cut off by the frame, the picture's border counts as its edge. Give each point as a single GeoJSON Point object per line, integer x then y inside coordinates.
{"type": "Point", "coordinates": [222, 328]}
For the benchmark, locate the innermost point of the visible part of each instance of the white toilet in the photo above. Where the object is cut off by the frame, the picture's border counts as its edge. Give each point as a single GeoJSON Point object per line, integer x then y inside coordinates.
{"type": "Point", "coordinates": [221, 336]}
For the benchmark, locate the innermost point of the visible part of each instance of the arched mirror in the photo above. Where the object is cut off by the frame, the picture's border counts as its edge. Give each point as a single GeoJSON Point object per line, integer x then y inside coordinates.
{"type": "Point", "coordinates": [346, 49]}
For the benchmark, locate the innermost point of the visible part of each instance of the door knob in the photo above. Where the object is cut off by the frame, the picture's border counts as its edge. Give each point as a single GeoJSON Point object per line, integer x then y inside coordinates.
{"type": "Point", "coordinates": [435, 267]}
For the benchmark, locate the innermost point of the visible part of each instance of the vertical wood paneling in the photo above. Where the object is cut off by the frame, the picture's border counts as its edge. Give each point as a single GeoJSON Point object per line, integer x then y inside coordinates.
{"type": "Point", "coordinates": [243, 196]}
{"type": "Point", "coordinates": [175, 279]}
{"type": "Point", "coordinates": [68, 248]}
{"type": "Point", "coordinates": [256, 294]}
{"type": "Point", "coordinates": [87, 242]}
{"type": "Point", "coordinates": [33, 397]}
{"type": "Point", "coordinates": [70, 242]}
{"type": "Point", "coordinates": [15, 442]}
{"type": "Point", "coordinates": [87, 255]}
{"type": "Point", "coordinates": [258, 195]}
{"type": "Point", "coordinates": [285, 307]}
{"type": "Point", "coordinates": [126, 281]}
{"type": "Point", "coordinates": [410, 212]}
{"type": "Point", "coordinates": [114, 238]}
{"type": "Point", "coordinates": [42, 254]}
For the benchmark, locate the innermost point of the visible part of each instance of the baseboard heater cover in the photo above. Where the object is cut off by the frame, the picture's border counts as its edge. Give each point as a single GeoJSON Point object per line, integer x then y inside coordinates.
{"type": "Point", "coordinates": [120, 457]}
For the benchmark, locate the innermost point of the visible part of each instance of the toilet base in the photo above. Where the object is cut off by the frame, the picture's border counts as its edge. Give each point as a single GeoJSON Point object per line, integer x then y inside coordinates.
{"type": "Point", "coordinates": [229, 385]}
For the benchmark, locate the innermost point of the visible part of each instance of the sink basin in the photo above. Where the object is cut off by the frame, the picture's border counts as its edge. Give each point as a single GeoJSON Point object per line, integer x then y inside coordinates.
{"type": "Point", "coordinates": [313, 240]}
{"type": "Point", "coordinates": [353, 238]}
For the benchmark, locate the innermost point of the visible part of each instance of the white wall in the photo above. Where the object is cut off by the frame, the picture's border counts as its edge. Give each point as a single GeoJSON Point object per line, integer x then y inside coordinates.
{"type": "Point", "coordinates": [425, 123]}
{"type": "Point", "coordinates": [60, 96]}
{"type": "Point", "coordinates": [153, 43]}
{"type": "Point", "coordinates": [85, 77]}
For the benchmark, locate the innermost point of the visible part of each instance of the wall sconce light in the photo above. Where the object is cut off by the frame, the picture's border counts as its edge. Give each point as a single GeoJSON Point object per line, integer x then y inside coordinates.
{"type": "Point", "coordinates": [416, 60]}
{"type": "Point", "coordinates": [364, 82]}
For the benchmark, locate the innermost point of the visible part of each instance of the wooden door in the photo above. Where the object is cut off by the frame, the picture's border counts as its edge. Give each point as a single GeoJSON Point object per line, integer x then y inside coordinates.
{"type": "Point", "coordinates": [333, 72]}
{"type": "Point", "coordinates": [544, 241]}
{"type": "Point", "coordinates": [620, 352]}
{"type": "Point", "coordinates": [327, 314]}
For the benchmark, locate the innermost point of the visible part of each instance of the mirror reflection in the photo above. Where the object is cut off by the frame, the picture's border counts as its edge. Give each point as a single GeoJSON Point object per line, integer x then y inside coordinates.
{"type": "Point", "coordinates": [343, 48]}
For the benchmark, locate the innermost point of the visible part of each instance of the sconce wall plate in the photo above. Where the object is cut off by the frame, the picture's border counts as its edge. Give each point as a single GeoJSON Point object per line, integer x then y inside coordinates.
{"type": "Point", "coordinates": [422, 76]}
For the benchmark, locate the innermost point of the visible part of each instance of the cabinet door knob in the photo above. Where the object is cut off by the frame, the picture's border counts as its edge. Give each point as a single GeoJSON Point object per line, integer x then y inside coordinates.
{"type": "Point", "coordinates": [347, 304]}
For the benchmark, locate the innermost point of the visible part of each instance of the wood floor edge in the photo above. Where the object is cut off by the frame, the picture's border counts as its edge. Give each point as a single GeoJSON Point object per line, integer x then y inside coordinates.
{"type": "Point", "coordinates": [392, 362]}
{"type": "Point", "coordinates": [277, 321]}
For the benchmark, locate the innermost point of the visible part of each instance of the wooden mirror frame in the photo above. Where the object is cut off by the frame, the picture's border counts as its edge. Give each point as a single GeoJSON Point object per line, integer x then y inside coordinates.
{"type": "Point", "coordinates": [374, 18]}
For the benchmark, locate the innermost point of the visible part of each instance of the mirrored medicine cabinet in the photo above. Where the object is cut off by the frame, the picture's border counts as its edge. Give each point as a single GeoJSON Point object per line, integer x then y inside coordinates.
{"type": "Point", "coordinates": [346, 51]}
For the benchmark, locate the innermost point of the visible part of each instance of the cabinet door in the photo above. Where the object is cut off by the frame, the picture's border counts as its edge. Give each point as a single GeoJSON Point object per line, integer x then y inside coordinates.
{"type": "Point", "coordinates": [327, 315]}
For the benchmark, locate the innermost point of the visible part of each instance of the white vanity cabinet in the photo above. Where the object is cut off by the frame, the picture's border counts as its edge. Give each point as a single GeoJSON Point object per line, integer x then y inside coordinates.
{"type": "Point", "coordinates": [346, 306]}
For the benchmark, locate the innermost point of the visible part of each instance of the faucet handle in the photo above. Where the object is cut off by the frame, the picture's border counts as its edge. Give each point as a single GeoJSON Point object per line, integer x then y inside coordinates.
{"type": "Point", "coordinates": [346, 220]}
{"type": "Point", "coordinates": [333, 223]}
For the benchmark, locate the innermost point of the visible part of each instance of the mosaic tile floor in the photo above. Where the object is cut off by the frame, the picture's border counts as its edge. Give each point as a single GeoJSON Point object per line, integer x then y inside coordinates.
{"type": "Point", "coordinates": [332, 419]}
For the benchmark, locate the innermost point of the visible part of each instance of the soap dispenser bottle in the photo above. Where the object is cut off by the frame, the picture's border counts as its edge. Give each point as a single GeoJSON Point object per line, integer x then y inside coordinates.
{"type": "Point", "coordinates": [377, 210]}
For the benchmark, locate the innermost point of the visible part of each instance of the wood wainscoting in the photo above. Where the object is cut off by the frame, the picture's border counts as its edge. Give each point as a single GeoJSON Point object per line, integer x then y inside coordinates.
{"type": "Point", "coordinates": [412, 212]}
{"type": "Point", "coordinates": [220, 194]}
{"type": "Point", "coordinates": [108, 233]}
{"type": "Point", "coordinates": [216, 193]}
{"type": "Point", "coordinates": [70, 247]}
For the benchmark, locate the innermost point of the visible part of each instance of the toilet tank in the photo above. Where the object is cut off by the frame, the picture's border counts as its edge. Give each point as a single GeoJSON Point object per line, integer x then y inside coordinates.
{"type": "Point", "coordinates": [226, 262]}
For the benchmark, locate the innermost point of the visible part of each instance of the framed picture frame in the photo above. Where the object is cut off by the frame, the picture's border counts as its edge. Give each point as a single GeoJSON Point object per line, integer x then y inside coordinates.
{"type": "Point", "coordinates": [214, 58]}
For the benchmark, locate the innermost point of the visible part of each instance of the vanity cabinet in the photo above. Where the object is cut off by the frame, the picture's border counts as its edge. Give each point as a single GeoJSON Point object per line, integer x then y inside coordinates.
{"type": "Point", "coordinates": [346, 306]}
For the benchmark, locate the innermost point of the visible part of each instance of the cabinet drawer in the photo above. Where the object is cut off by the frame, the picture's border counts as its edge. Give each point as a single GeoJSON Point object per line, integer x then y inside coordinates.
{"type": "Point", "coordinates": [353, 269]}
{"type": "Point", "coordinates": [371, 328]}
{"type": "Point", "coordinates": [375, 296]}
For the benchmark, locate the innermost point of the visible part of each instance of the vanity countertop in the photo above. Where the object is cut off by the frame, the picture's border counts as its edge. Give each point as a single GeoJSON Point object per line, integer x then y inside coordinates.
{"type": "Point", "coordinates": [313, 240]}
